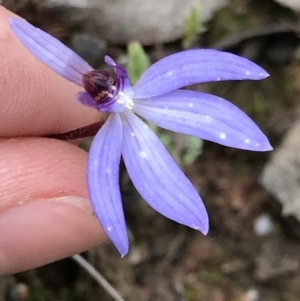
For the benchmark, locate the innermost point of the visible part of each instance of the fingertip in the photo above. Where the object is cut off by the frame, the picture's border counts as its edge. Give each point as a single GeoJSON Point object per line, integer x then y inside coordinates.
{"type": "Point", "coordinates": [45, 214]}
{"type": "Point", "coordinates": [32, 91]}
{"type": "Point", "coordinates": [45, 230]}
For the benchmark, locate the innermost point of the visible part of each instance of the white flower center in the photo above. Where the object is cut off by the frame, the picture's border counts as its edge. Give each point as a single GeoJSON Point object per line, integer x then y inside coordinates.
{"type": "Point", "coordinates": [125, 100]}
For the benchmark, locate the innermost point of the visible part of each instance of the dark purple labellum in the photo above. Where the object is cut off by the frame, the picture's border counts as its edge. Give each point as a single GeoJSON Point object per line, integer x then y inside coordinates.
{"type": "Point", "coordinates": [99, 84]}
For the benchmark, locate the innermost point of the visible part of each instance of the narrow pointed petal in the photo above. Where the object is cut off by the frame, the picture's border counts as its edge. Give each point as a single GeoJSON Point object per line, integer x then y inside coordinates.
{"type": "Point", "coordinates": [194, 66]}
{"type": "Point", "coordinates": [205, 116]}
{"type": "Point", "coordinates": [50, 51]}
{"type": "Point", "coordinates": [157, 177]}
{"type": "Point", "coordinates": [103, 181]}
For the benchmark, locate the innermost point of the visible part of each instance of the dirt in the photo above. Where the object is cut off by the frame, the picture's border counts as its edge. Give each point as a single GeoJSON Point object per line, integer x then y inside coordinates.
{"type": "Point", "coordinates": [234, 262]}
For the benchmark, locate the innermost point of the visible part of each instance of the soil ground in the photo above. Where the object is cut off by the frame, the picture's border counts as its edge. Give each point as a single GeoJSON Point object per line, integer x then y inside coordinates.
{"type": "Point", "coordinates": [169, 262]}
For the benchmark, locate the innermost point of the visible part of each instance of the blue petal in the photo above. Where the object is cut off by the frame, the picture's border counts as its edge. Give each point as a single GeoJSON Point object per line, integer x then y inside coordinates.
{"type": "Point", "coordinates": [194, 66]}
{"type": "Point", "coordinates": [205, 116]}
{"type": "Point", "coordinates": [157, 177]}
{"type": "Point", "coordinates": [50, 51]}
{"type": "Point", "coordinates": [121, 73]}
{"type": "Point", "coordinates": [103, 181]}
{"type": "Point", "coordinates": [86, 99]}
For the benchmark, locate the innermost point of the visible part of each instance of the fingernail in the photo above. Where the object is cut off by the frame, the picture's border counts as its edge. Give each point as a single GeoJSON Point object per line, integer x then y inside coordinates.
{"type": "Point", "coordinates": [44, 230]}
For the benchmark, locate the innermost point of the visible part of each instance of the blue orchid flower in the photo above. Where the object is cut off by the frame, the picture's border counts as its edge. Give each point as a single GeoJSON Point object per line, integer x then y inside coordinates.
{"type": "Point", "coordinates": [155, 97]}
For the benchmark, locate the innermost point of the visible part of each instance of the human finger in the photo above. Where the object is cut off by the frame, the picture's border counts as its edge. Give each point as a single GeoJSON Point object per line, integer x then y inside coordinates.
{"type": "Point", "coordinates": [45, 214]}
{"type": "Point", "coordinates": [34, 100]}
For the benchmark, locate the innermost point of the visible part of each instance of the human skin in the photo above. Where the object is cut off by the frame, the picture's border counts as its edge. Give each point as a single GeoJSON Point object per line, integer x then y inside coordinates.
{"type": "Point", "coordinates": [45, 214]}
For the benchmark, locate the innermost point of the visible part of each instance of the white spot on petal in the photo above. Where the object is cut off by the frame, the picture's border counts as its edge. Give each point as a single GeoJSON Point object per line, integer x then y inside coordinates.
{"type": "Point", "coordinates": [170, 73]}
{"type": "Point", "coordinates": [132, 134]}
{"type": "Point", "coordinates": [108, 228]}
{"type": "Point", "coordinates": [218, 79]}
{"type": "Point", "coordinates": [143, 154]}
{"type": "Point", "coordinates": [222, 136]}
{"type": "Point", "coordinates": [191, 104]}
{"type": "Point", "coordinates": [208, 119]}
{"type": "Point", "coordinates": [108, 170]}
{"type": "Point", "coordinates": [145, 126]}
{"type": "Point", "coordinates": [247, 141]}
{"type": "Point", "coordinates": [247, 72]}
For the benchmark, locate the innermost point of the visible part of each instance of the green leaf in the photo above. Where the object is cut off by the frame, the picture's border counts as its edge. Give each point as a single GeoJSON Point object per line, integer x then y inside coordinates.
{"type": "Point", "coordinates": [192, 27]}
{"type": "Point", "coordinates": [138, 61]}
{"type": "Point", "coordinates": [184, 149]}
{"type": "Point", "coordinates": [193, 148]}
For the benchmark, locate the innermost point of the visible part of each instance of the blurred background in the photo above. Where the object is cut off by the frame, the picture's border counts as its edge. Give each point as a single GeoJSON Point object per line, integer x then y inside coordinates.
{"type": "Point", "coordinates": [252, 252]}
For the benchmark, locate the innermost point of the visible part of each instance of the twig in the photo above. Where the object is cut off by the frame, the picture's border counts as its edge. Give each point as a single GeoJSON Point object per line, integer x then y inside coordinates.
{"type": "Point", "coordinates": [238, 38]}
{"type": "Point", "coordinates": [97, 276]}
{"type": "Point", "coordinates": [86, 131]}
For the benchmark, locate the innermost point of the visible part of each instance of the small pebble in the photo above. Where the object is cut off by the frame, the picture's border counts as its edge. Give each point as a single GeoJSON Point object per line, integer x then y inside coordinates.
{"type": "Point", "coordinates": [251, 295]}
{"type": "Point", "coordinates": [18, 292]}
{"type": "Point", "coordinates": [263, 225]}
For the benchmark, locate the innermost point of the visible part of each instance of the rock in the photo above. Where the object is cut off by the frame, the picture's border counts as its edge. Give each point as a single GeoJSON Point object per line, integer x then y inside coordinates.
{"type": "Point", "coordinates": [17, 292]}
{"type": "Point", "coordinates": [292, 4]}
{"type": "Point", "coordinates": [89, 47]}
{"type": "Point", "coordinates": [148, 22]}
{"type": "Point", "coordinates": [278, 258]}
{"type": "Point", "coordinates": [251, 295]}
{"type": "Point", "coordinates": [281, 175]}
{"type": "Point", "coordinates": [263, 225]}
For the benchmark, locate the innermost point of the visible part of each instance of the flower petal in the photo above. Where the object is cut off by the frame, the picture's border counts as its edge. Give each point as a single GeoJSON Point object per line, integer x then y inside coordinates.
{"type": "Point", "coordinates": [158, 178]}
{"type": "Point", "coordinates": [194, 66]}
{"type": "Point", "coordinates": [205, 116]}
{"type": "Point", "coordinates": [50, 51]}
{"type": "Point", "coordinates": [103, 181]}
{"type": "Point", "coordinates": [86, 99]}
{"type": "Point", "coordinates": [121, 74]}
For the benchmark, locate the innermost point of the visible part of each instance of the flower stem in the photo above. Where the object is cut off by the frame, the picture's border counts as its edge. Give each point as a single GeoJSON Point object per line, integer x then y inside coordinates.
{"type": "Point", "coordinates": [83, 132]}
